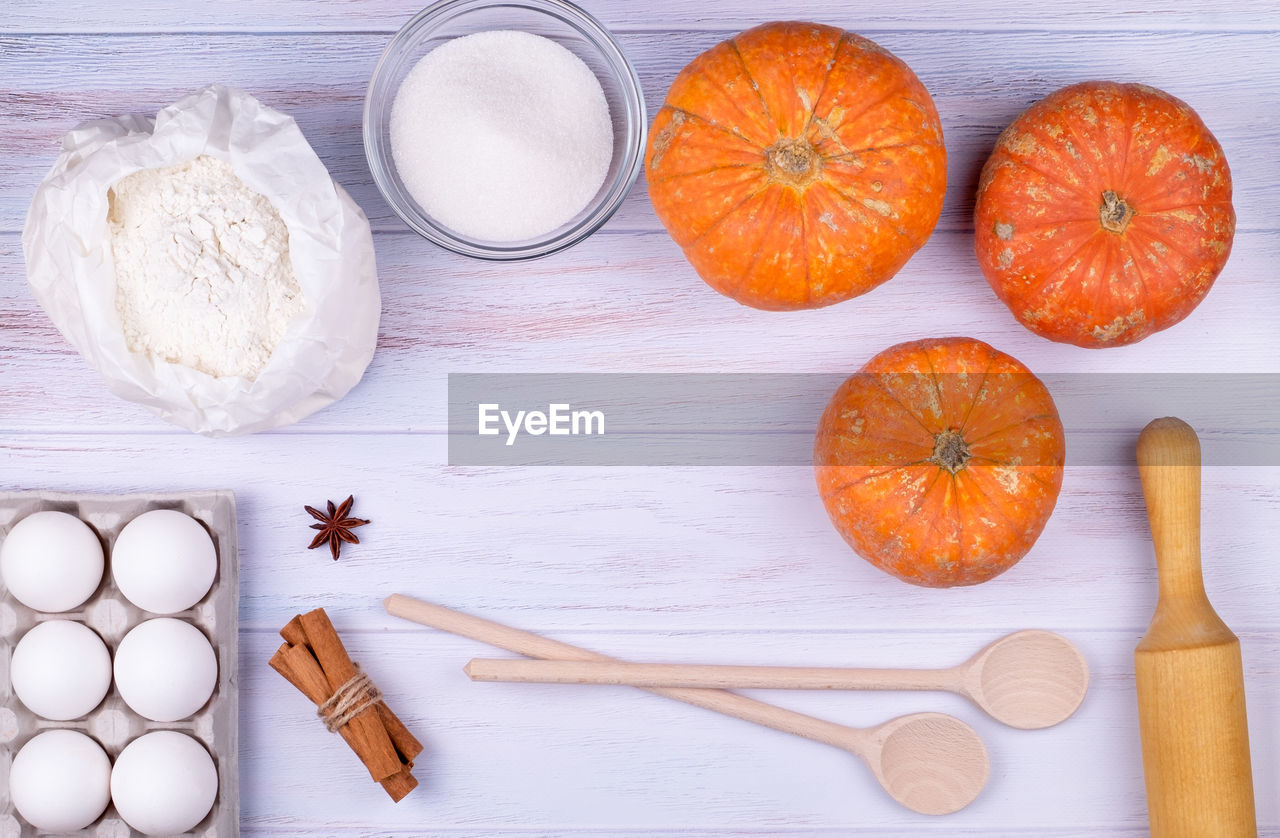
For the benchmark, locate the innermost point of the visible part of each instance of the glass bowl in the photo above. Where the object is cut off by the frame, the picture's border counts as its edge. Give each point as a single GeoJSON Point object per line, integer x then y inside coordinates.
{"type": "Point", "coordinates": [563, 23]}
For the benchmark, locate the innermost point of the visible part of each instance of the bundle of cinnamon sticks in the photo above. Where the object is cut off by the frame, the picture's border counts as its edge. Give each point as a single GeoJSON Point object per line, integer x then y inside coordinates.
{"type": "Point", "coordinates": [314, 660]}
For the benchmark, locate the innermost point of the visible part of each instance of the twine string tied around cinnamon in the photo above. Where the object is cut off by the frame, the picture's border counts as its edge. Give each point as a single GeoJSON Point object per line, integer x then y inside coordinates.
{"type": "Point", "coordinates": [351, 699]}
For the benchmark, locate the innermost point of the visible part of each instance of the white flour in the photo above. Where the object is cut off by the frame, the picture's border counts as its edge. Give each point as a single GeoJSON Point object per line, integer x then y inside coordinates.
{"type": "Point", "coordinates": [203, 276]}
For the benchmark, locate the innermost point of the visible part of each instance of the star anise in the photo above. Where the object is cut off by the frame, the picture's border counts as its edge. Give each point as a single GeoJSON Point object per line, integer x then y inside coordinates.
{"type": "Point", "coordinates": [335, 527]}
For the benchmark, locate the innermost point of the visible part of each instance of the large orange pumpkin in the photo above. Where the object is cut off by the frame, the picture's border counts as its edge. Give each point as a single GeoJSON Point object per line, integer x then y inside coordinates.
{"type": "Point", "coordinates": [797, 165]}
{"type": "Point", "coordinates": [940, 461]}
{"type": "Point", "coordinates": [1104, 214]}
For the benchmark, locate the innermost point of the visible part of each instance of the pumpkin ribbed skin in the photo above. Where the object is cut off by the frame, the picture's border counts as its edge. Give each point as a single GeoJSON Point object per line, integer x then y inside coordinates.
{"type": "Point", "coordinates": [797, 165]}
{"type": "Point", "coordinates": [940, 461]}
{"type": "Point", "coordinates": [1104, 214]}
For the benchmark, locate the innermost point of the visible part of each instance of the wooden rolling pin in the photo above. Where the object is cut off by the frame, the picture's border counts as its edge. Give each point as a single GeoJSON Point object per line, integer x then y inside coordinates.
{"type": "Point", "coordinates": [1195, 740]}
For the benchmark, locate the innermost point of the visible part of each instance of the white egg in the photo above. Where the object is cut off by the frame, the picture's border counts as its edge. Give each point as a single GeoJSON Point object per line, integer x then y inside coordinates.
{"type": "Point", "coordinates": [60, 781]}
{"type": "Point", "coordinates": [60, 670]}
{"type": "Point", "coordinates": [51, 561]}
{"type": "Point", "coordinates": [164, 561]}
{"type": "Point", "coordinates": [164, 783]}
{"type": "Point", "coordinates": [165, 669]}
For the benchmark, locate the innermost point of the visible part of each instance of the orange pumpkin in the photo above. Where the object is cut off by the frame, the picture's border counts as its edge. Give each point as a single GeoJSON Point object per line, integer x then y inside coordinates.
{"type": "Point", "coordinates": [1104, 214]}
{"type": "Point", "coordinates": [797, 165]}
{"type": "Point", "coordinates": [940, 461]}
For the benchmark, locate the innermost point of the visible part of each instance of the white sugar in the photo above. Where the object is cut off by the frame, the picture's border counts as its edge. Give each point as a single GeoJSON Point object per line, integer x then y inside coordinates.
{"type": "Point", "coordinates": [502, 135]}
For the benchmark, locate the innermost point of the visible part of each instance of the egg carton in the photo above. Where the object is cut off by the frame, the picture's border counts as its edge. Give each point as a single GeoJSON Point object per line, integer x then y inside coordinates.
{"type": "Point", "coordinates": [113, 725]}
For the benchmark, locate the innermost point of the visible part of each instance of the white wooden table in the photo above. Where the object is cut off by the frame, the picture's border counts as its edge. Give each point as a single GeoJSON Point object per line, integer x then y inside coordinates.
{"type": "Point", "coordinates": [718, 564]}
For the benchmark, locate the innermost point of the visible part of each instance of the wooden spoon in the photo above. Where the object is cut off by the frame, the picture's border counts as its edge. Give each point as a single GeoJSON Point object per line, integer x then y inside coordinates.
{"type": "Point", "coordinates": [1029, 679]}
{"type": "Point", "coordinates": [929, 762]}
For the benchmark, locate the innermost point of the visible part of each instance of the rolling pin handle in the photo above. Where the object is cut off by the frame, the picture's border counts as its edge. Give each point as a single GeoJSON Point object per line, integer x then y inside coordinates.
{"type": "Point", "coordinates": [1169, 466]}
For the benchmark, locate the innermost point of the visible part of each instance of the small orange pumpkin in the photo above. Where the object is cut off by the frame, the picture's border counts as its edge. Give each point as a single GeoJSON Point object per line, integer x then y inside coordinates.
{"type": "Point", "coordinates": [1104, 214]}
{"type": "Point", "coordinates": [940, 461]}
{"type": "Point", "coordinates": [797, 165]}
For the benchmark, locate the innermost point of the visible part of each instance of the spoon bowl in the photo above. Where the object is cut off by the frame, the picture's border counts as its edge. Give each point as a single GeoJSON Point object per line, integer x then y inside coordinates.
{"type": "Point", "coordinates": [929, 762]}
{"type": "Point", "coordinates": [1029, 679]}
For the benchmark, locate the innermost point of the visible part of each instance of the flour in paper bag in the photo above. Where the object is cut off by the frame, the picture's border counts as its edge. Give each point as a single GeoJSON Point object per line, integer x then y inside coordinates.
{"type": "Point", "coordinates": [203, 274]}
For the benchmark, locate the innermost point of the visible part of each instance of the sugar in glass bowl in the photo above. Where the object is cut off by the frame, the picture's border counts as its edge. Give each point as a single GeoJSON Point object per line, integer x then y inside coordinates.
{"type": "Point", "coordinates": [568, 26]}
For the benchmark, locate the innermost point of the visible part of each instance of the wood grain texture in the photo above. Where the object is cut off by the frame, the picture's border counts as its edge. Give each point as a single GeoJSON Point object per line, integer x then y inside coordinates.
{"type": "Point", "coordinates": [1190, 677]}
{"type": "Point", "coordinates": [732, 565]}
{"type": "Point", "coordinates": [628, 303]}
{"type": "Point", "coordinates": [643, 549]}
{"type": "Point", "coordinates": [166, 16]}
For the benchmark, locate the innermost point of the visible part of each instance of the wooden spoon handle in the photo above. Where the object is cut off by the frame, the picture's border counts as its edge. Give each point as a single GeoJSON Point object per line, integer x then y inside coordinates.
{"type": "Point", "coordinates": [706, 676]}
{"type": "Point", "coordinates": [851, 739]}
{"type": "Point", "coordinates": [1169, 466]}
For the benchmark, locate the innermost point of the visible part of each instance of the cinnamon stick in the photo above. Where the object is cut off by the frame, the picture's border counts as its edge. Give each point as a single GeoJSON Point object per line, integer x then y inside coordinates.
{"type": "Point", "coordinates": [300, 669]}
{"type": "Point", "coordinates": [399, 785]}
{"type": "Point", "coordinates": [301, 677]}
{"type": "Point", "coordinates": [406, 744]}
{"type": "Point", "coordinates": [374, 744]}
{"type": "Point", "coordinates": [315, 661]}
{"type": "Point", "coordinates": [293, 633]}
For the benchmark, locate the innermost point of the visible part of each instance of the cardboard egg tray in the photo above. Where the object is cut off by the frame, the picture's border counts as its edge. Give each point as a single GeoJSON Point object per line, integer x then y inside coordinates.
{"type": "Point", "coordinates": [113, 725]}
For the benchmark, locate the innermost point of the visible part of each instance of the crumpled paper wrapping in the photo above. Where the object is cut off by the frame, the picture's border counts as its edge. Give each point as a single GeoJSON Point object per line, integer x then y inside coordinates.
{"type": "Point", "coordinates": [69, 264]}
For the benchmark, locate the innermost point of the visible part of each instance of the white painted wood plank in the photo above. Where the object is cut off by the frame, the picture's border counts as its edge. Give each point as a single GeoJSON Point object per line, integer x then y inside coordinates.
{"type": "Point", "coordinates": [647, 548]}
{"type": "Point", "coordinates": [621, 15]}
{"type": "Point", "coordinates": [747, 832]}
{"type": "Point", "coordinates": [509, 758]}
{"type": "Point", "coordinates": [630, 303]}
{"type": "Point", "coordinates": [49, 84]}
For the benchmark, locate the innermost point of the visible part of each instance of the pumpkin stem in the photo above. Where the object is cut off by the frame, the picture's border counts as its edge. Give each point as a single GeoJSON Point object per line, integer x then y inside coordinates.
{"type": "Point", "coordinates": [950, 451]}
{"type": "Point", "coordinates": [794, 162]}
{"type": "Point", "coordinates": [1115, 213]}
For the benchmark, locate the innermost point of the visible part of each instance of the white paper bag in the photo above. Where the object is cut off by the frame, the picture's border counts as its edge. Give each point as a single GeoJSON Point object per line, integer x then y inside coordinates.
{"type": "Point", "coordinates": [67, 246]}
